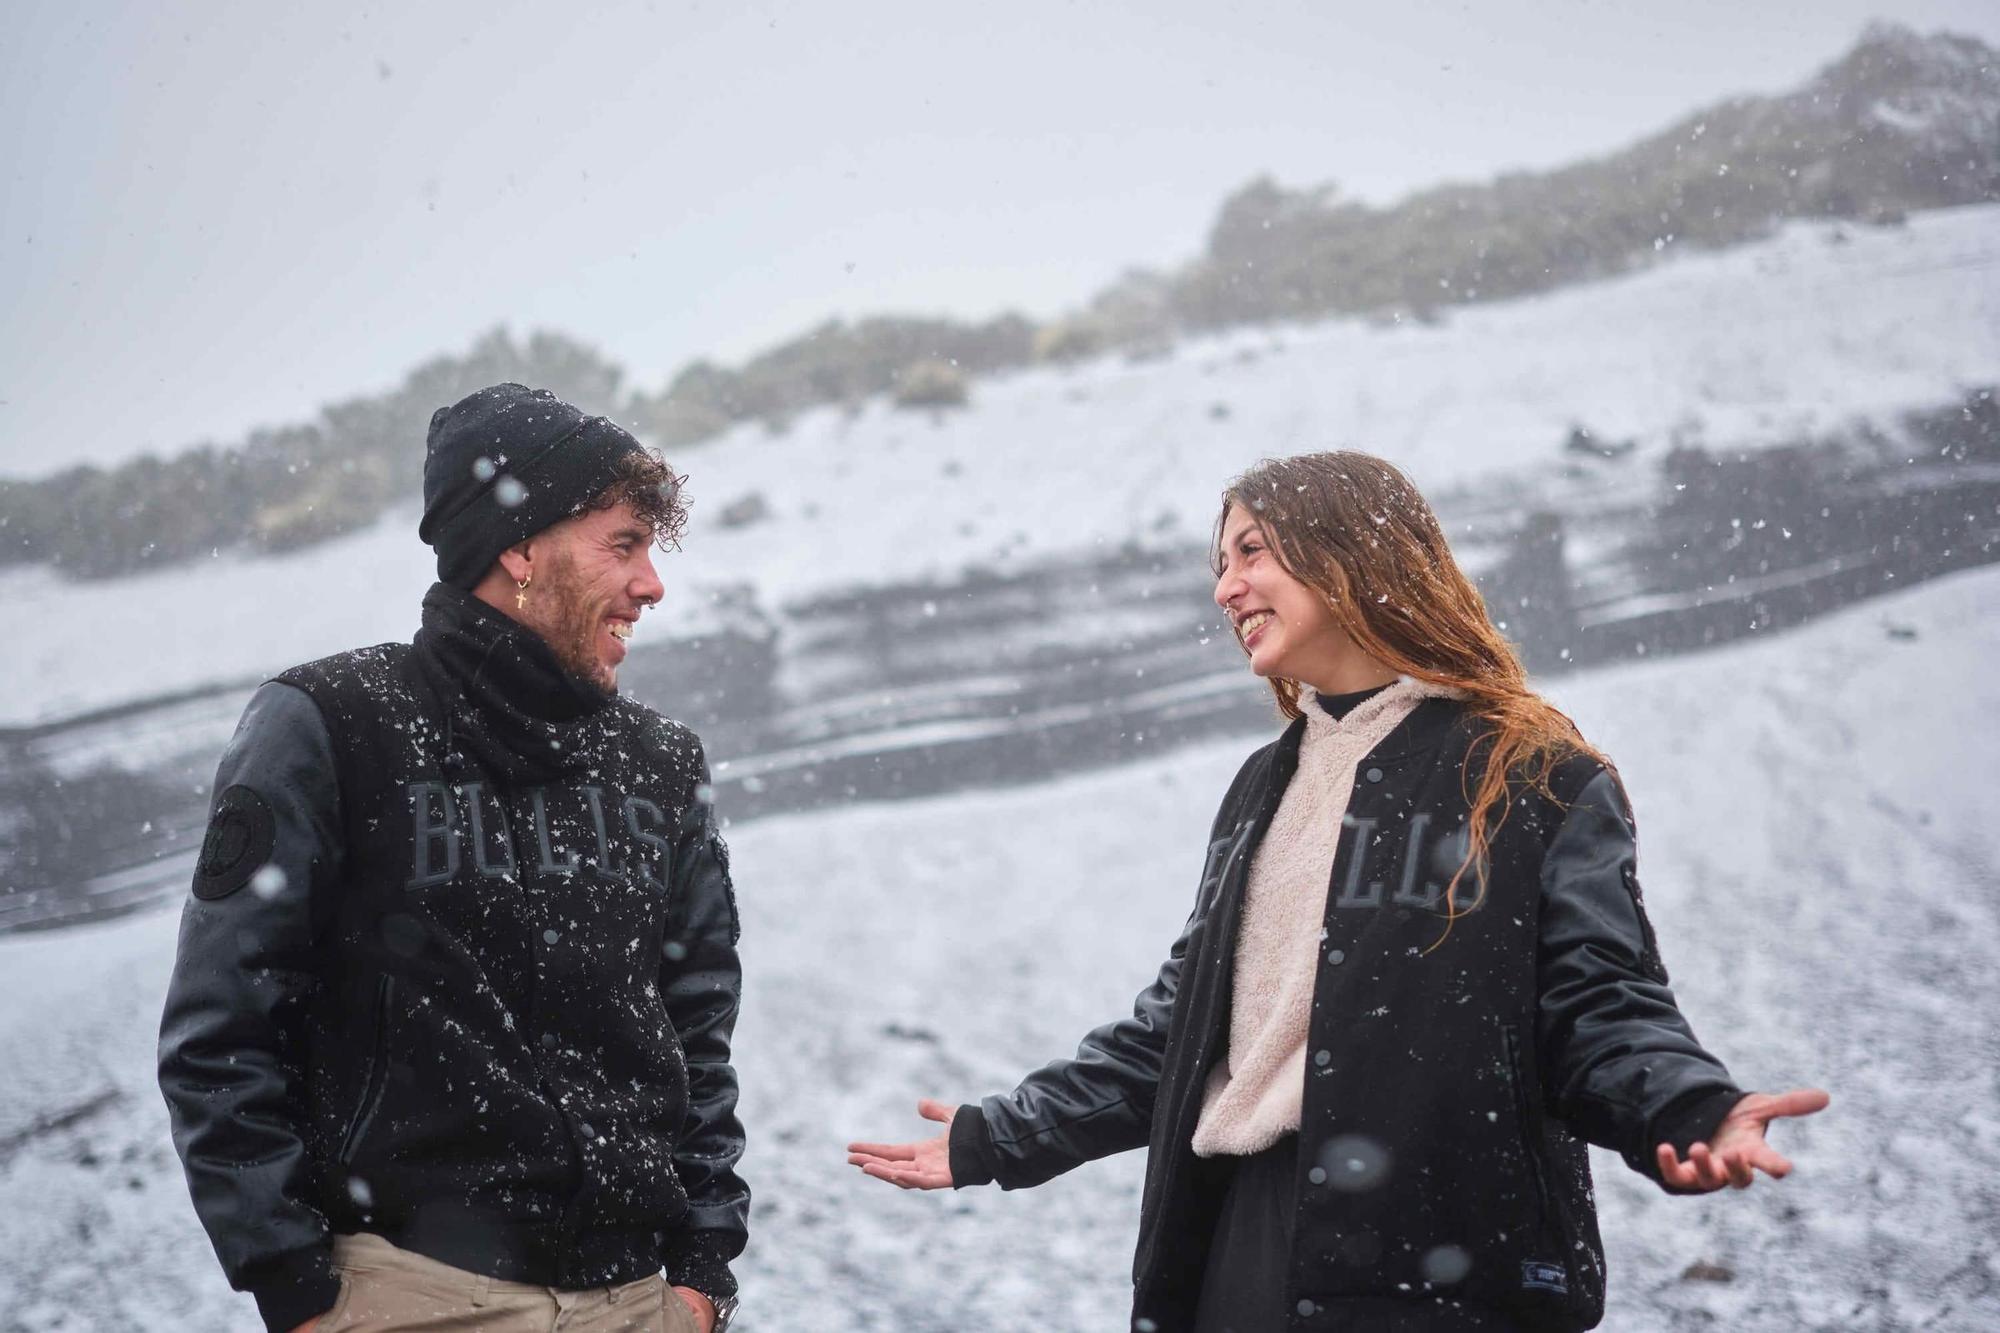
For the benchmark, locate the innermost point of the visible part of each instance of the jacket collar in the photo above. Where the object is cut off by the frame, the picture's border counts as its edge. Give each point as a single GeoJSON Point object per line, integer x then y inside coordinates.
{"type": "Point", "coordinates": [1402, 694]}
{"type": "Point", "coordinates": [1424, 729]}
{"type": "Point", "coordinates": [504, 695]}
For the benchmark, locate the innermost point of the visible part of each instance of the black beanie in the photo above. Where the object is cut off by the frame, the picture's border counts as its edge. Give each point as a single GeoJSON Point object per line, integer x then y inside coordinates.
{"type": "Point", "coordinates": [504, 463]}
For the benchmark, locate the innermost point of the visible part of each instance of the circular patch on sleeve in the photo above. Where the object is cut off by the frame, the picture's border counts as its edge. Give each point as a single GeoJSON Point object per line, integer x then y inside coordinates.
{"type": "Point", "coordinates": [241, 834]}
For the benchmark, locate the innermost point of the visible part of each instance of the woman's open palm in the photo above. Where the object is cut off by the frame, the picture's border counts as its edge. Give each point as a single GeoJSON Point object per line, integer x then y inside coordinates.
{"type": "Point", "coordinates": [923, 1165]}
{"type": "Point", "coordinates": [1737, 1150]}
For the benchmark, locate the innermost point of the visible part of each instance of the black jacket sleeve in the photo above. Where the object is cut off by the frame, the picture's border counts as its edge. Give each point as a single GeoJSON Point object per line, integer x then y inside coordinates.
{"type": "Point", "coordinates": [1073, 1111]}
{"type": "Point", "coordinates": [701, 983]}
{"type": "Point", "coordinates": [1100, 1101]}
{"type": "Point", "coordinates": [1621, 1065]}
{"type": "Point", "coordinates": [231, 1036]}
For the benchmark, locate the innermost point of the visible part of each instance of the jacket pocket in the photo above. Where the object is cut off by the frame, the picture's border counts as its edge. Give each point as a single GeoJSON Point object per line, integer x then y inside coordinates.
{"type": "Point", "coordinates": [1649, 945]}
{"type": "Point", "coordinates": [720, 851]}
{"type": "Point", "coordinates": [1525, 1120]}
{"type": "Point", "coordinates": [374, 1080]}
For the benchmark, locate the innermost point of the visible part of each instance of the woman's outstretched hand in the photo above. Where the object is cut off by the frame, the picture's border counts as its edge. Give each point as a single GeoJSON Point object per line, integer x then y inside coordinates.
{"type": "Point", "coordinates": [1737, 1150]}
{"type": "Point", "coordinates": [923, 1165]}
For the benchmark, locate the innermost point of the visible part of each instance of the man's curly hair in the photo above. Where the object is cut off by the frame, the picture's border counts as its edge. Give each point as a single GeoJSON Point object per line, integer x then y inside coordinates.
{"type": "Point", "coordinates": [657, 494]}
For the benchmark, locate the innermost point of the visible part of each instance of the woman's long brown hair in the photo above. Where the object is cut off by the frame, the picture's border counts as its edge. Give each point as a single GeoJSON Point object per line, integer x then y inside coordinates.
{"type": "Point", "coordinates": [1352, 527]}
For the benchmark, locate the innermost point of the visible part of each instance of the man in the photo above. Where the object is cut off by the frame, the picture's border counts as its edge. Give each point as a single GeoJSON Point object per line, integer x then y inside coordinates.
{"type": "Point", "coordinates": [447, 1041]}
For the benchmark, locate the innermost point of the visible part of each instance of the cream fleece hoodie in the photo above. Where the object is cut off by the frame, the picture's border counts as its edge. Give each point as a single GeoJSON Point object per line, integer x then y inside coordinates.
{"type": "Point", "coordinates": [1254, 1098]}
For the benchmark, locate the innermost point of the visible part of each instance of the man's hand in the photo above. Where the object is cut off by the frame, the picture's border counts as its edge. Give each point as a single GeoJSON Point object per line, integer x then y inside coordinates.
{"type": "Point", "coordinates": [1737, 1150]}
{"type": "Point", "coordinates": [923, 1165]}
{"type": "Point", "coordinates": [702, 1308]}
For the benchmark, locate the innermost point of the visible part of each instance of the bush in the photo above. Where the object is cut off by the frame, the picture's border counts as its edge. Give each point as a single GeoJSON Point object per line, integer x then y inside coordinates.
{"type": "Point", "coordinates": [278, 488]}
{"type": "Point", "coordinates": [745, 510]}
{"type": "Point", "coordinates": [933, 384]}
{"type": "Point", "coordinates": [1900, 123]}
{"type": "Point", "coordinates": [834, 363]}
{"type": "Point", "coordinates": [1067, 340]}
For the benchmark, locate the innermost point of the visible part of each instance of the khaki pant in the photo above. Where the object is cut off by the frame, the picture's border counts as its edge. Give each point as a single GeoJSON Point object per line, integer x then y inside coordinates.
{"type": "Point", "coordinates": [384, 1288]}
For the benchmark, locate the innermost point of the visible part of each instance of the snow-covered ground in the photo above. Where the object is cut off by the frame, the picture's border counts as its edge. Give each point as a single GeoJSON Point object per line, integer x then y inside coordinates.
{"type": "Point", "coordinates": [1820, 855]}
{"type": "Point", "coordinates": [1804, 332]}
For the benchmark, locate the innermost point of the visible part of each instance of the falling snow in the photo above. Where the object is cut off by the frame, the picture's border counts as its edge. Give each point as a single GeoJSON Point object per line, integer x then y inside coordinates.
{"type": "Point", "coordinates": [1776, 797]}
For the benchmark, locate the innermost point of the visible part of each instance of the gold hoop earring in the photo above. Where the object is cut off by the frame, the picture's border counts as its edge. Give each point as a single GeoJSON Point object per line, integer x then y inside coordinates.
{"type": "Point", "coordinates": [521, 597]}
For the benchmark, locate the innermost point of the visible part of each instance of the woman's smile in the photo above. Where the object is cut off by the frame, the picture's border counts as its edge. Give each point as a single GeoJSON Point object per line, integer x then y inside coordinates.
{"type": "Point", "coordinates": [1251, 627]}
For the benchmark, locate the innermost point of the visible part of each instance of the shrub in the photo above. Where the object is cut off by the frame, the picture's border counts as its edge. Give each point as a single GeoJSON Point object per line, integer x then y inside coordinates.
{"type": "Point", "coordinates": [931, 383]}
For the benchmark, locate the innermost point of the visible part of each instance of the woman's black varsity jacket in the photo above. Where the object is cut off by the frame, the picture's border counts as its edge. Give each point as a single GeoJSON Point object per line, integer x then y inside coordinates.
{"type": "Point", "coordinates": [1452, 1077]}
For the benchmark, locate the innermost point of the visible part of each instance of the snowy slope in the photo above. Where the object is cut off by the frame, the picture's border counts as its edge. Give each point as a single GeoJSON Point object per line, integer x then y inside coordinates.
{"type": "Point", "coordinates": [1808, 330]}
{"type": "Point", "coordinates": [1820, 857]}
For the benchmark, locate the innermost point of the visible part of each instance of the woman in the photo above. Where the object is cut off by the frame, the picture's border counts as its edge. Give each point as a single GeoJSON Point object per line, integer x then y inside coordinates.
{"type": "Point", "coordinates": [1417, 977]}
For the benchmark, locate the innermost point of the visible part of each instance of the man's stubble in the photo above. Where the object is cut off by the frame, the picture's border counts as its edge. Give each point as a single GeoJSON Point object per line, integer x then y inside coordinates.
{"type": "Point", "coordinates": [574, 620]}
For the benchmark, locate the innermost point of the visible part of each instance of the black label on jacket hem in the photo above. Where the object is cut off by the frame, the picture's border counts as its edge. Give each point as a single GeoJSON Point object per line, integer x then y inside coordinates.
{"type": "Point", "coordinates": [1538, 1276]}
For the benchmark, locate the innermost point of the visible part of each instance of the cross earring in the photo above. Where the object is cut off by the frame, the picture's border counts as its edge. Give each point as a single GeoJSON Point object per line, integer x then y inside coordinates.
{"type": "Point", "coordinates": [521, 597]}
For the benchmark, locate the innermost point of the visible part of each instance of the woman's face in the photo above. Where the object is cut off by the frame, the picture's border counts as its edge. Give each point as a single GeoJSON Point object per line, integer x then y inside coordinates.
{"type": "Point", "coordinates": [1285, 626]}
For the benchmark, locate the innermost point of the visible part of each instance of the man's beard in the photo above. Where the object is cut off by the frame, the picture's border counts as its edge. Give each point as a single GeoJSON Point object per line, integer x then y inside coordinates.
{"type": "Point", "coordinates": [572, 628]}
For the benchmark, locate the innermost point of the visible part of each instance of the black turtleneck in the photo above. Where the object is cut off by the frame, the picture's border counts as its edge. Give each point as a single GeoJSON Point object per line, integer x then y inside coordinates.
{"type": "Point", "coordinates": [1340, 705]}
{"type": "Point", "coordinates": [509, 700]}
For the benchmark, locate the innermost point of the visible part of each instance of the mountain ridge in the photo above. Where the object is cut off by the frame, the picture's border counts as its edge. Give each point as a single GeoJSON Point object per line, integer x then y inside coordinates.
{"type": "Point", "coordinates": [1901, 123]}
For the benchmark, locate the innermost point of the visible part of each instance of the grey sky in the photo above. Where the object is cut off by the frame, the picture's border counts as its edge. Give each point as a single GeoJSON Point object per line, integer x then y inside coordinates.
{"type": "Point", "coordinates": [219, 215]}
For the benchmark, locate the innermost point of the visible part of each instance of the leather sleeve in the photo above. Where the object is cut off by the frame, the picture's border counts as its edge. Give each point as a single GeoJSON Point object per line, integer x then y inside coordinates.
{"type": "Point", "coordinates": [1620, 1064]}
{"type": "Point", "coordinates": [1100, 1101]}
{"type": "Point", "coordinates": [701, 983]}
{"type": "Point", "coordinates": [232, 1034]}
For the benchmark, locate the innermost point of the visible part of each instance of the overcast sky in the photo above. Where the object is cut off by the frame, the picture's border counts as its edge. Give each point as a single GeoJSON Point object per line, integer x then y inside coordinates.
{"type": "Point", "coordinates": [224, 214]}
